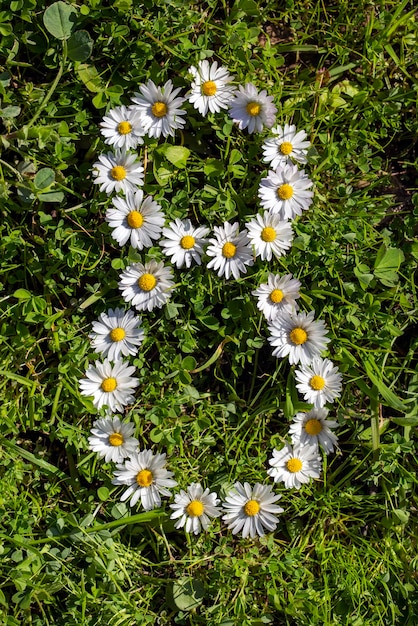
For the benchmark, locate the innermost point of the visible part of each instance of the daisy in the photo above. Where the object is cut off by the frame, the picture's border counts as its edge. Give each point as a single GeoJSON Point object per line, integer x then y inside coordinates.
{"type": "Point", "coordinates": [117, 333]}
{"type": "Point", "coordinates": [194, 508]}
{"type": "Point", "coordinates": [296, 466]}
{"type": "Point", "coordinates": [122, 128]}
{"type": "Point", "coordinates": [146, 286]}
{"type": "Point", "coordinates": [285, 192]}
{"type": "Point", "coordinates": [159, 109]}
{"type": "Point", "coordinates": [112, 439]}
{"type": "Point", "coordinates": [135, 218]}
{"type": "Point", "coordinates": [298, 336]}
{"type": "Point", "coordinates": [313, 429]}
{"type": "Point", "coordinates": [252, 110]}
{"type": "Point", "coordinates": [277, 295]}
{"type": "Point", "coordinates": [118, 172]}
{"type": "Point", "coordinates": [210, 89]}
{"type": "Point", "coordinates": [319, 382]}
{"type": "Point", "coordinates": [230, 251]}
{"type": "Point", "coordinates": [269, 235]}
{"type": "Point", "coordinates": [184, 243]}
{"type": "Point", "coordinates": [147, 478]}
{"type": "Point", "coordinates": [286, 146]}
{"type": "Point", "coordinates": [110, 385]}
{"type": "Point", "coordinates": [251, 509]}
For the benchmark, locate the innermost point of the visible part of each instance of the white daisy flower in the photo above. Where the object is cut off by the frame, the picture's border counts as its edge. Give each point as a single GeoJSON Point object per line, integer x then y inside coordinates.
{"type": "Point", "coordinates": [147, 478]}
{"type": "Point", "coordinates": [296, 466]}
{"type": "Point", "coordinates": [251, 509]}
{"type": "Point", "coordinates": [278, 294]}
{"type": "Point", "coordinates": [135, 218]}
{"type": "Point", "coordinates": [110, 385]}
{"type": "Point", "coordinates": [298, 336]}
{"type": "Point", "coordinates": [285, 192]}
{"type": "Point", "coordinates": [319, 382]}
{"type": "Point", "coordinates": [269, 235]}
{"type": "Point", "coordinates": [184, 243]}
{"type": "Point", "coordinates": [118, 172]}
{"type": "Point", "coordinates": [230, 251]}
{"type": "Point", "coordinates": [122, 128]}
{"type": "Point", "coordinates": [194, 508]}
{"type": "Point", "coordinates": [210, 89]}
{"type": "Point", "coordinates": [288, 145]}
{"type": "Point", "coordinates": [146, 286]}
{"type": "Point", "coordinates": [252, 110]}
{"type": "Point", "coordinates": [112, 440]}
{"type": "Point", "coordinates": [313, 429]}
{"type": "Point", "coordinates": [160, 109]}
{"type": "Point", "coordinates": [117, 333]}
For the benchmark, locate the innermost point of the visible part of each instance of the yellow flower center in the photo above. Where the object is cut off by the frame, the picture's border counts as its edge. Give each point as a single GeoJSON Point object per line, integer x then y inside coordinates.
{"type": "Point", "coordinates": [317, 383]}
{"type": "Point", "coordinates": [159, 109]}
{"type": "Point", "coordinates": [285, 192]}
{"type": "Point", "coordinates": [118, 172]}
{"type": "Point", "coordinates": [251, 508]}
{"type": "Point", "coordinates": [117, 334]}
{"type": "Point", "coordinates": [294, 465]}
{"type": "Point", "coordinates": [124, 128]}
{"type": "Point", "coordinates": [298, 336]}
{"type": "Point", "coordinates": [147, 282]}
{"type": "Point", "coordinates": [209, 88]}
{"type": "Point", "coordinates": [313, 427]}
{"type": "Point", "coordinates": [195, 508]}
{"type": "Point", "coordinates": [187, 242]}
{"type": "Point", "coordinates": [276, 296]}
{"type": "Point", "coordinates": [268, 234]}
{"type": "Point", "coordinates": [109, 384]}
{"type": "Point", "coordinates": [229, 250]}
{"type": "Point", "coordinates": [253, 108]}
{"type": "Point", "coordinates": [286, 148]}
{"type": "Point", "coordinates": [135, 219]}
{"type": "Point", "coordinates": [115, 439]}
{"type": "Point", "coordinates": [144, 478]}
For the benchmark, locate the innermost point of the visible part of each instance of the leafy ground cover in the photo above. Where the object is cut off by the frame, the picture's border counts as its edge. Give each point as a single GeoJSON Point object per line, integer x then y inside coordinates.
{"type": "Point", "coordinates": [211, 394]}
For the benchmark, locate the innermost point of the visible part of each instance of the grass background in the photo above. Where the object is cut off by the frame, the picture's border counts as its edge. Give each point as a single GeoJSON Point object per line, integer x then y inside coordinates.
{"type": "Point", "coordinates": [345, 549]}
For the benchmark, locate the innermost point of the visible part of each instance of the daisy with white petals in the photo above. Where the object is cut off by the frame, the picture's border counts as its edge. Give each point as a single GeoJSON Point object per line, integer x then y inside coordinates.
{"type": "Point", "coordinates": [110, 385]}
{"type": "Point", "coordinates": [269, 235]}
{"type": "Point", "coordinates": [319, 382]}
{"type": "Point", "coordinates": [295, 466]}
{"type": "Point", "coordinates": [313, 429]}
{"type": "Point", "coordinates": [285, 192]}
{"type": "Point", "coordinates": [135, 218]}
{"type": "Point", "coordinates": [298, 336]}
{"type": "Point", "coordinates": [194, 508]}
{"type": "Point", "coordinates": [184, 243]}
{"type": "Point", "coordinates": [146, 286]}
{"type": "Point", "coordinates": [112, 439]}
{"type": "Point", "coordinates": [210, 88]}
{"type": "Point", "coordinates": [230, 251]}
{"type": "Point", "coordinates": [277, 295]}
{"type": "Point", "coordinates": [251, 509]}
{"type": "Point", "coordinates": [117, 333]}
{"type": "Point", "coordinates": [118, 172]}
{"type": "Point", "coordinates": [146, 477]}
{"type": "Point", "coordinates": [159, 108]}
{"type": "Point", "coordinates": [288, 145]}
{"type": "Point", "coordinates": [252, 110]}
{"type": "Point", "coordinates": [122, 128]}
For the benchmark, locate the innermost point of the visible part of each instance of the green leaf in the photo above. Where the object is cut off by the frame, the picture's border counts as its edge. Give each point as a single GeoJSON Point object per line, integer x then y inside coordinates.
{"type": "Point", "coordinates": [387, 264]}
{"type": "Point", "coordinates": [22, 294]}
{"type": "Point", "coordinates": [44, 178]}
{"type": "Point", "coordinates": [10, 112]}
{"type": "Point", "coordinates": [213, 167]}
{"type": "Point", "coordinates": [177, 155]}
{"type": "Point", "coordinates": [188, 593]}
{"type": "Point", "coordinates": [103, 493]}
{"type": "Point", "coordinates": [90, 77]}
{"type": "Point", "coordinates": [392, 399]}
{"type": "Point", "coordinates": [80, 46]}
{"type": "Point", "coordinates": [59, 20]}
{"type": "Point", "coordinates": [51, 196]}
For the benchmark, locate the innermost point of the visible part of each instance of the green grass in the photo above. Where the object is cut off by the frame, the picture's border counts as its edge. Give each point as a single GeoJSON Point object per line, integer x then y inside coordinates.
{"type": "Point", "coordinates": [211, 395]}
